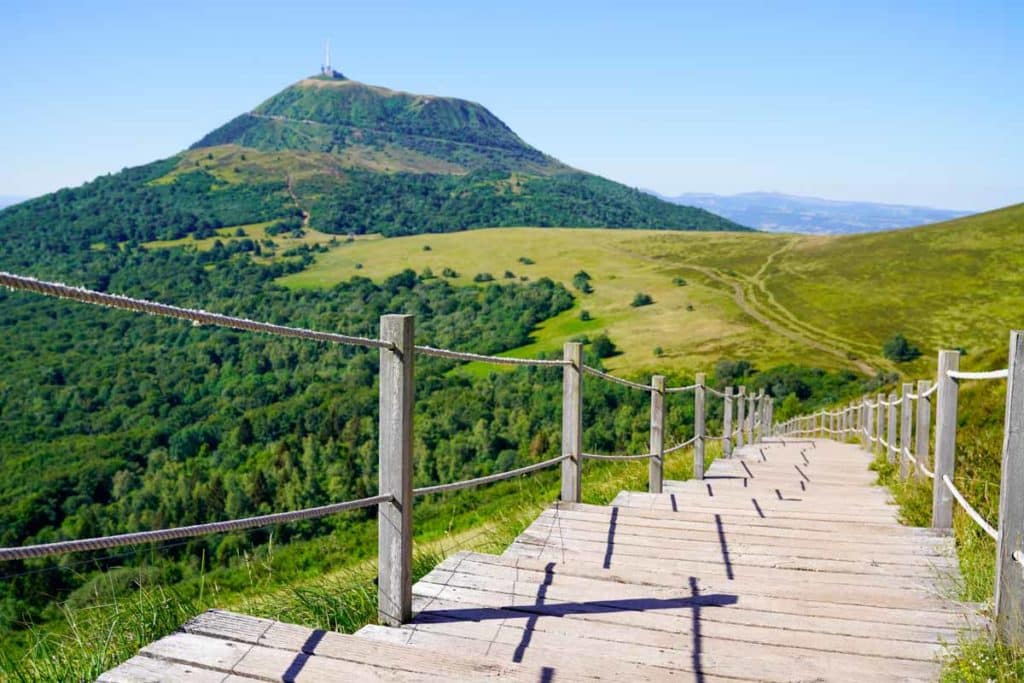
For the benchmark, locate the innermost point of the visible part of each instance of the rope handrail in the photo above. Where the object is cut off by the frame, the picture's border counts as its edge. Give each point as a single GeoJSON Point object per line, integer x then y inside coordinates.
{"type": "Point", "coordinates": [497, 360]}
{"type": "Point", "coordinates": [677, 390]}
{"type": "Point", "coordinates": [602, 456]}
{"type": "Point", "coordinates": [971, 512]}
{"type": "Point", "coordinates": [991, 374]}
{"type": "Point", "coordinates": [103, 542]}
{"type": "Point", "coordinates": [618, 380]}
{"type": "Point", "coordinates": [917, 463]}
{"type": "Point", "coordinates": [679, 446]}
{"type": "Point", "coordinates": [196, 316]}
{"type": "Point", "coordinates": [490, 478]}
{"type": "Point", "coordinates": [712, 390]}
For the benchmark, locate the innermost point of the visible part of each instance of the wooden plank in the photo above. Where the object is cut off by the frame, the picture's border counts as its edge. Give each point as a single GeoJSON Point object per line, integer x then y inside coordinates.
{"type": "Point", "coordinates": [292, 638]}
{"type": "Point", "coordinates": [142, 669]}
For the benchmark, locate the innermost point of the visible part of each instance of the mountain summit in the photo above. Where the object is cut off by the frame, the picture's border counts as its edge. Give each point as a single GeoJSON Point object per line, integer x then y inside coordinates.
{"type": "Point", "coordinates": [344, 157]}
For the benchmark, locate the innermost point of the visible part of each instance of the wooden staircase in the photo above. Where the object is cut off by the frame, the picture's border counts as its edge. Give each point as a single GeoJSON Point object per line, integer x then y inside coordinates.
{"type": "Point", "coordinates": [785, 563]}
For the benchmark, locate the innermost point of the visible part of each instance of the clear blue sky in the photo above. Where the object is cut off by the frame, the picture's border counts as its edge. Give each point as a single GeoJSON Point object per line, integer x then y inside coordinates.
{"type": "Point", "coordinates": [912, 102]}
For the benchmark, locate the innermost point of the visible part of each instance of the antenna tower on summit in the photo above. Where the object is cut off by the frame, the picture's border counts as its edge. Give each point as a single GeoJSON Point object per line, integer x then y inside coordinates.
{"type": "Point", "coordinates": [326, 69]}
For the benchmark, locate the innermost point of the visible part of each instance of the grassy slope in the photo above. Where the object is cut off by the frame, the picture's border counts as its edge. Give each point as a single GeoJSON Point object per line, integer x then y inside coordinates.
{"type": "Point", "coordinates": [823, 301]}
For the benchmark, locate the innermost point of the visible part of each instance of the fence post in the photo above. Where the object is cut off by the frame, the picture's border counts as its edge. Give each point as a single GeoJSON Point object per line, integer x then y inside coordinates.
{"type": "Point", "coordinates": [572, 421]}
{"type": "Point", "coordinates": [924, 422]}
{"type": "Point", "coordinates": [890, 431]}
{"type": "Point", "coordinates": [945, 439]}
{"type": "Point", "coordinates": [654, 476]}
{"type": "Point", "coordinates": [698, 427]}
{"type": "Point", "coordinates": [741, 414]}
{"type": "Point", "coordinates": [1009, 598]}
{"type": "Point", "coordinates": [906, 415]}
{"type": "Point", "coordinates": [880, 422]}
{"type": "Point", "coordinates": [394, 524]}
{"type": "Point", "coordinates": [749, 426]}
{"type": "Point", "coordinates": [862, 422]}
{"type": "Point", "coordinates": [727, 423]}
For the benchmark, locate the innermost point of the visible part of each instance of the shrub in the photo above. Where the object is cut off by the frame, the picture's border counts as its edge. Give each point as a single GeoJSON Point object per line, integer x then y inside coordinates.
{"type": "Point", "coordinates": [483, 277]}
{"type": "Point", "coordinates": [658, 351]}
{"type": "Point", "coordinates": [900, 350]}
{"type": "Point", "coordinates": [585, 315]}
{"type": "Point", "coordinates": [526, 260]}
{"type": "Point", "coordinates": [449, 272]}
{"type": "Point", "coordinates": [581, 281]}
{"type": "Point", "coordinates": [679, 282]}
{"type": "Point", "coordinates": [509, 275]}
{"type": "Point", "coordinates": [642, 299]}
{"type": "Point", "coordinates": [426, 247]}
{"type": "Point", "coordinates": [603, 347]}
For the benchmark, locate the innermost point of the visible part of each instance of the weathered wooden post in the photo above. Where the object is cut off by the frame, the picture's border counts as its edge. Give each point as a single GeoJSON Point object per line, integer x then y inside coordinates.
{"type": "Point", "coordinates": [770, 415]}
{"type": "Point", "coordinates": [906, 415]}
{"type": "Point", "coordinates": [923, 433]}
{"type": "Point", "coordinates": [880, 422]}
{"type": "Point", "coordinates": [749, 426]}
{"type": "Point", "coordinates": [727, 423]}
{"type": "Point", "coordinates": [741, 414]}
{"type": "Point", "coordinates": [865, 423]}
{"type": "Point", "coordinates": [869, 425]}
{"type": "Point", "coordinates": [1009, 598]}
{"type": "Point", "coordinates": [654, 476]}
{"type": "Point", "coordinates": [698, 427]}
{"type": "Point", "coordinates": [890, 431]}
{"type": "Point", "coordinates": [572, 421]}
{"type": "Point", "coordinates": [945, 439]}
{"type": "Point", "coordinates": [394, 524]}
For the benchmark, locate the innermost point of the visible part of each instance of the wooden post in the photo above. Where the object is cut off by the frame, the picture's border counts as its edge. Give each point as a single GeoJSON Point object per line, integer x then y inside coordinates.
{"type": "Point", "coordinates": [698, 427]}
{"type": "Point", "coordinates": [654, 476]}
{"type": "Point", "coordinates": [741, 413]}
{"type": "Point", "coordinates": [906, 415]}
{"type": "Point", "coordinates": [945, 440]}
{"type": "Point", "coordinates": [923, 432]}
{"type": "Point", "coordinates": [572, 422]}
{"type": "Point", "coordinates": [394, 524]}
{"type": "Point", "coordinates": [890, 431]}
{"type": "Point", "coordinates": [749, 426]}
{"type": "Point", "coordinates": [865, 423]}
{"type": "Point", "coordinates": [1009, 598]}
{"type": "Point", "coordinates": [880, 422]}
{"type": "Point", "coordinates": [727, 423]}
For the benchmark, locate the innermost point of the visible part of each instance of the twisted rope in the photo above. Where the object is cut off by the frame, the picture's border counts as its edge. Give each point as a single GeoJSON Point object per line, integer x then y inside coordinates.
{"type": "Point", "coordinates": [992, 374]}
{"type": "Point", "coordinates": [678, 390]}
{"type": "Point", "coordinates": [497, 360]}
{"type": "Point", "coordinates": [61, 547]}
{"type": "Point", "coordinates": [600, 456]}
{"type": "Point", "coordinates": [971, 512]}
{"type": "Point", "coordinates": [478, 481]}
{"type": "Point", "coordinates": [716, 392]}
{"type": "Point", "coordinates": [918, 463]}
{"type": "Point", "coordinates": [679, 446]}
{"type": "Point", "coordinates": [617, 380]}
{"type": "Point", "coordinates": [196, 316]}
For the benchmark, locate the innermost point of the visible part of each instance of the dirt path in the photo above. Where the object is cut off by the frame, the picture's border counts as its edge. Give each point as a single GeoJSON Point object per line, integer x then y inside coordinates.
{"type": "Point", "coordinates": [775, 318]}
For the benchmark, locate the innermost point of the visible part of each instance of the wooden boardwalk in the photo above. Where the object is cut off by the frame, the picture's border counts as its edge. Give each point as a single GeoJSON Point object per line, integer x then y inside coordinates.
{"type": "Point", "coordinates": [785, 564]}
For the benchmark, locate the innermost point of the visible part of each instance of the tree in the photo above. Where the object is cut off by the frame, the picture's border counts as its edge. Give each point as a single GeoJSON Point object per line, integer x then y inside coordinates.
{"type": "Point", "coordinates": [900, 350]}
{"type": "Point", "coordinates": [603, 347]}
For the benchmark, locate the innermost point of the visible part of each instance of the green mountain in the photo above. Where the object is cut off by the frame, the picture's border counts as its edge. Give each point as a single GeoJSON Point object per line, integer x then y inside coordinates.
{"type": "Point", "coordinates": [342, 157]}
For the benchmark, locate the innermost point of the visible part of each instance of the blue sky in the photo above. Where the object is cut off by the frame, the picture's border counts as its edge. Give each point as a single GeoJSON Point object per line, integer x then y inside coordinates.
{"type": "Point", "coordinates": [909, 102]}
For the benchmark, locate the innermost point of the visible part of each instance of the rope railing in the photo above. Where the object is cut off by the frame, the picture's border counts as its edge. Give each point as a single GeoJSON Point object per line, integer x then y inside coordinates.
{"type": "Point", "coordinates": [917, 463]}
{"type": "Point", "coordinates": [617, 380]}
{"type": "Point", "coordinates": [992, 374]}
{"type": "Point", "coordinates": [971, 512]}
{"type": "Point", "coordinates": [679, 390]}
{"type": "Point", "coordinates": [602, 456]}
{"type": "Point", "coordinates": [497, 360]}
{"type": "Point", "coordinates": [196, 316]}
{"type": "Point", "coordinates": [680, 446]}
{"type": "Point", "coordinates": [104, 542]}
{"type": "Point", "coordinates": [488, 479]}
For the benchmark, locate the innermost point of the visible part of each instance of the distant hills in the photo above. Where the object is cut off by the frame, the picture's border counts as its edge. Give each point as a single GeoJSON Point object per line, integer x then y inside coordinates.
{"type": "Point", "coordinates": [776, 212]}
{"type": "Point", "coordinates": [343, 157]}
{"type": "Point", "coordinates": [8, 200]}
